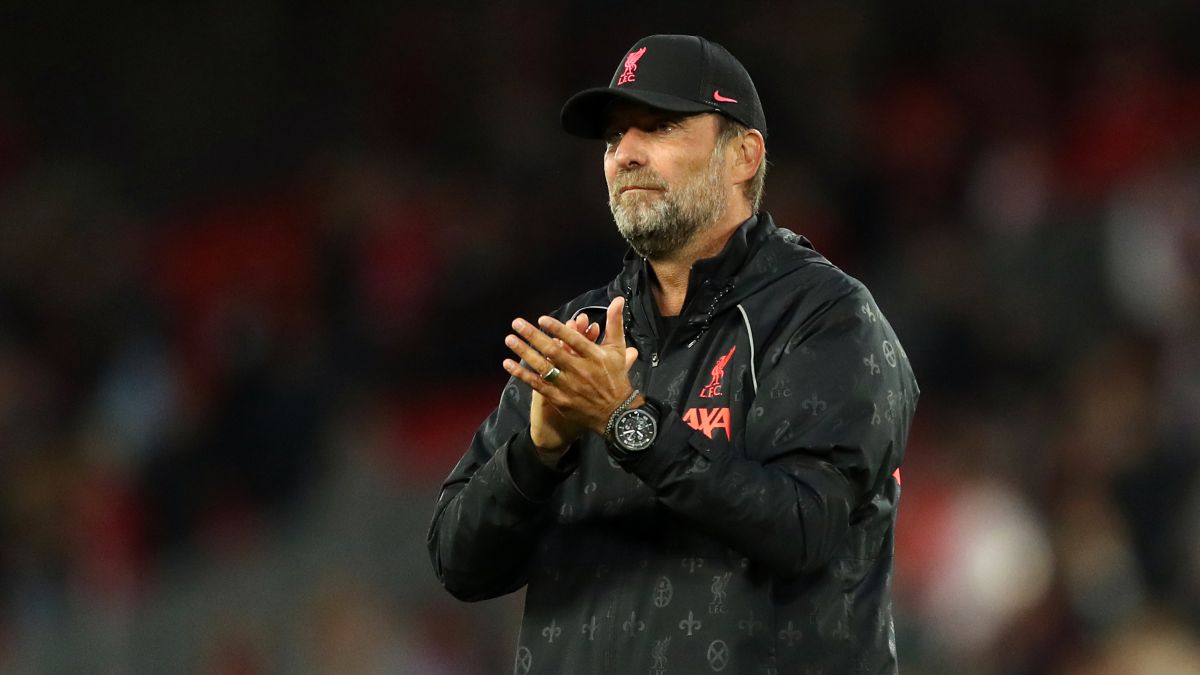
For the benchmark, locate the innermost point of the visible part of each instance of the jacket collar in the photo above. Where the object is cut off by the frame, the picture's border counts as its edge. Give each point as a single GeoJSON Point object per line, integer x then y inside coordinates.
{"type": "Point", "coordinates": [711, 282]}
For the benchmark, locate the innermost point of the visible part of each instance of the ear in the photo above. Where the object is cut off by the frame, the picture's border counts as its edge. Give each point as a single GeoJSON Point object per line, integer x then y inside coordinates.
{"type": "Point", "coordinates": [749, 151]}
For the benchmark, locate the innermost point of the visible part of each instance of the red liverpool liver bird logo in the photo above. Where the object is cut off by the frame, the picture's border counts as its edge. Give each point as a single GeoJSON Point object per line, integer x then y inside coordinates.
{"type": "Point", "coordinates": [630, 66]}
{"type": "Point", "coordinates": [713, 388]}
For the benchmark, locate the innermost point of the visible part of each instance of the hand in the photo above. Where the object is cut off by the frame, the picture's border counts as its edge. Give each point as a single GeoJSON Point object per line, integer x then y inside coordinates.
{"type": "Point", "coordinates": [594, 378]}
{"type": "Point", "coordinates": [551, 432]}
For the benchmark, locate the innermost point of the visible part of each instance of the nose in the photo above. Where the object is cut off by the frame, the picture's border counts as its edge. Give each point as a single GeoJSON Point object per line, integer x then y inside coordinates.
{"type": "Point", "coordinates": [630, 151]}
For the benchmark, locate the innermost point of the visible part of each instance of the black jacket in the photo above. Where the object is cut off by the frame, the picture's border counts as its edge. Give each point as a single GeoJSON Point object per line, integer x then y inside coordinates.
{"type": "Point", "coordinates": [755, 535]}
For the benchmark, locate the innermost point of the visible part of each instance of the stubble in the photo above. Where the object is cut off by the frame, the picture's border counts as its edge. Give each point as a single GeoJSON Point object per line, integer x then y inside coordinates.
{"type": "Point", "coordinates": [659, 224]}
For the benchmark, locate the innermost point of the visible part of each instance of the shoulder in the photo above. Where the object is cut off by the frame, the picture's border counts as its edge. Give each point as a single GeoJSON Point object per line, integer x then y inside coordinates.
{"type": "Point", "coordinates": [805, 282]}
{"type": "Point", "coordinates": [801, 295]}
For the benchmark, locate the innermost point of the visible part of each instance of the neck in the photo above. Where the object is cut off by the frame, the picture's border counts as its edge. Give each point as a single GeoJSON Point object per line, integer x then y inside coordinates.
{"type": "Point", "coordinates": [673, 271]}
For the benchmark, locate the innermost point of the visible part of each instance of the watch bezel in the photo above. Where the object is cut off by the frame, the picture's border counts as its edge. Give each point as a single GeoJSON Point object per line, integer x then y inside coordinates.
{"type": "Point", "coordinates": [653, 435]}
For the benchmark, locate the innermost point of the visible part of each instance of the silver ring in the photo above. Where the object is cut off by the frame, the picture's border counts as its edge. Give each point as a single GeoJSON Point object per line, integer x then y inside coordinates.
{"type": "Point", "coordinates": [552, 374]}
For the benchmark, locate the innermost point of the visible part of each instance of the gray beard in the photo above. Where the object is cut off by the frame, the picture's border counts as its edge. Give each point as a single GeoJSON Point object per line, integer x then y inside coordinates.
{"type": "Point", "coordinates": [658, 225]}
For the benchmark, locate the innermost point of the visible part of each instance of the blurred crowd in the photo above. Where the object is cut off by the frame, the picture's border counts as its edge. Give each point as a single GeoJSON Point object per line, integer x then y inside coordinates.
{"type": "Point", "coordinates": [258, 259]}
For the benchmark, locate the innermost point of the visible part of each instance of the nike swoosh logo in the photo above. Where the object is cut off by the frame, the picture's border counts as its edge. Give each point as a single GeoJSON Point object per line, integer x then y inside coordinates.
{"type": "Point", "coordinates": [724, 99]}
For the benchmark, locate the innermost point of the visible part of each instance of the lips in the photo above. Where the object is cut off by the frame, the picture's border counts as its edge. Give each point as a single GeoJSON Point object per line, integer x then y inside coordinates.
{"type": "Point", "coordinates": [641, 179]}
{"type": "Point", "coordinates": [627, 188]}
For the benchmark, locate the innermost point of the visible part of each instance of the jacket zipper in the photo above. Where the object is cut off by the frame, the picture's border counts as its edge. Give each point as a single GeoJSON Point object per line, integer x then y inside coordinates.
{"type": "Point", "coordinates": [654, 359]}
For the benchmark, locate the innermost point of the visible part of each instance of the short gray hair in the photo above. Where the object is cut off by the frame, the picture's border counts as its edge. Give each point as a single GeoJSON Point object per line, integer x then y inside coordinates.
{"type": "Point", "coordinates": [729, 129]}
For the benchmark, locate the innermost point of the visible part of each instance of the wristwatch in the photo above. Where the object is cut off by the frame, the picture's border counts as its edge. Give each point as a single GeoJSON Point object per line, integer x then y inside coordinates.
{"type": "Point", "coordinates": [636, 429]}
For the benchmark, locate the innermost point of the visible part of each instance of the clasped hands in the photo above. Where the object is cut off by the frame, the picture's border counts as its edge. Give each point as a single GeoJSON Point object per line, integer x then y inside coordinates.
{"type": "Point", "coordinates": [593, 378]}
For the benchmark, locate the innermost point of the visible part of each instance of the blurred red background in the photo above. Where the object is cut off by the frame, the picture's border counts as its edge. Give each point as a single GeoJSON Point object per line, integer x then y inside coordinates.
{"type": "Point", "coordinates": [259, 258]}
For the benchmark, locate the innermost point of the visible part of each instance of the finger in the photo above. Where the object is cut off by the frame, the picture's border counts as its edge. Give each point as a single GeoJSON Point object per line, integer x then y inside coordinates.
{"type": "Point", "coordinates": [631, 354]}
{"type": "Point", "coordinates": [593, 332]}
{"type": "Point", "coordinates": [562, 345]}
{"type": "Point", "coordinates": [547, 346]}
{"type": "Point", "coordinates": [536, 360]}
{"type": "Point", "coordinates": [579, 323]}
{"type": "Point", "coordinates": [614, 331]}
{"type": "Point", "coordinates": [535, 382]}
{"type": "Point", "coordinates": [580, 344]}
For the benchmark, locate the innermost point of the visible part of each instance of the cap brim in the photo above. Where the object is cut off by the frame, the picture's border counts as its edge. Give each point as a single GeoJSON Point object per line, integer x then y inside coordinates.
{"type": "Point", "coordinates": [585, 113]}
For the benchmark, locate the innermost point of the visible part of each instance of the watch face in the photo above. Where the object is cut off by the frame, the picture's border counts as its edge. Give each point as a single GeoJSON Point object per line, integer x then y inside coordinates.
{"type": "Point", "coordinates": [636, 430]}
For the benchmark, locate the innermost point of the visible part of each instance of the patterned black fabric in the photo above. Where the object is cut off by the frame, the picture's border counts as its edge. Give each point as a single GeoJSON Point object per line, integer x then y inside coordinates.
{"type": "Point", "coordinates": [755, 536]}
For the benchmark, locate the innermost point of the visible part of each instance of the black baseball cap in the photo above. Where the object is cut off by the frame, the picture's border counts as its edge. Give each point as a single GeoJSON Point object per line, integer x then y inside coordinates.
{"type": "Point", "coordinates": [680, 73]}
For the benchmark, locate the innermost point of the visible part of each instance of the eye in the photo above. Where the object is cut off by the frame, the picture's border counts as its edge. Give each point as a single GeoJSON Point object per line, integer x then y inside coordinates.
{"type": "Point", "coordinates": [612, 138]}
{"type": "Point", "coordinates": [666, 126]}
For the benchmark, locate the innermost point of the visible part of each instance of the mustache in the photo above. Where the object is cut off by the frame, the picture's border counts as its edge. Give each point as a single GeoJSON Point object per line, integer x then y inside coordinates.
{"type": "Point", "coordinates": [636, 177]}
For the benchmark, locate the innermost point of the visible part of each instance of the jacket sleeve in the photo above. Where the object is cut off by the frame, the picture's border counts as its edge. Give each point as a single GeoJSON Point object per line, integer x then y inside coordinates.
{"type": "Point", "coordinates": [823, 436]}
{"type": "Point", "coordinates": [493, 507]}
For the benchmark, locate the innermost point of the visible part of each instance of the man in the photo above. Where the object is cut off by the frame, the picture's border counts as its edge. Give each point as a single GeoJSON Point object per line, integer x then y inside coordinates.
{"type": "Point", "coordinates": [711, 485]}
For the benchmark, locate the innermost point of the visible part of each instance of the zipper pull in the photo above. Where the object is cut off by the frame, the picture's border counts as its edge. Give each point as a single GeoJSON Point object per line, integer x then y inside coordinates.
{"type": "Point", "coordinates": [654, 360]}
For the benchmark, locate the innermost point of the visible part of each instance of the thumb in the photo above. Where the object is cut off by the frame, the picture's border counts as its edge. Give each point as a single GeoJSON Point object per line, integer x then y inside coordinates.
{"type": "Point", "coordinates": [614, 331]}
{"type": "Point", "coordinates": [631, 354]}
